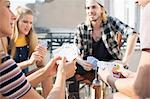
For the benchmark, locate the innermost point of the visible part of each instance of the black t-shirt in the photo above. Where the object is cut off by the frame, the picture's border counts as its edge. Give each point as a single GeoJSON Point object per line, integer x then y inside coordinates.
{"type": "Point", "coordinates": [100, 51]}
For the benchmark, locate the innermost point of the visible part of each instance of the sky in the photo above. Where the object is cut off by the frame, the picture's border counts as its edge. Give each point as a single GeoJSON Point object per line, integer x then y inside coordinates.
{"type": "Point", "coordinates": [15, 3]}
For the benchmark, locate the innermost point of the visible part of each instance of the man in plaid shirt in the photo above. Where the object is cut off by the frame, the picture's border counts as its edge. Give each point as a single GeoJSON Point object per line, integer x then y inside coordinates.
{"type": "Point", "coordinates": [96, 37]}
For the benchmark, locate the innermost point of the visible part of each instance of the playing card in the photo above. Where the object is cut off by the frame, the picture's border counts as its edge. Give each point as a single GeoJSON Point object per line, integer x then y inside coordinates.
{"type": "Point", "coordinates": [109, 65]}
{"type": "Point", "coordinates": [43, 43]}
{"type": "Point", "coordinates": [70, 51]}
{"type": "Point", "coordinates": [93, 61]}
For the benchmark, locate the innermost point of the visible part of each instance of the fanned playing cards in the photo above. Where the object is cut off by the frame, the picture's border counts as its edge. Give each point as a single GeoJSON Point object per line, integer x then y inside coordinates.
{"type": "Point", "coordinates": [70, 51]}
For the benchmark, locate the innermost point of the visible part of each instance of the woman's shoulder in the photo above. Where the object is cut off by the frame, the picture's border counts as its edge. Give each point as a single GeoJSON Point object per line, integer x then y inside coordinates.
{"type": "Point", "coordinates": [12, 78]}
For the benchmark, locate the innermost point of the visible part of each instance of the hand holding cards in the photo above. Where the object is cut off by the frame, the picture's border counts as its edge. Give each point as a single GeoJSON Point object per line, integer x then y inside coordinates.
{"type": "Point", "coordinates": [93, 61]}
{"type": "Point", "coordinates": [70, 51]}
{"type": "Point", "coordinates": [43, 43]}
{"type": "Point", "coordinates": [113, 67]}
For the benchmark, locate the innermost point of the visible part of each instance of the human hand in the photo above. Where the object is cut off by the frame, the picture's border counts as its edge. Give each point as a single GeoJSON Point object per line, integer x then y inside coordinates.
{"type": "Point", "coordinates": [86, 65]}
{"type": "Point", "coordinates": [42, 50]}
{"type": "Point", "coordinates": [120, 71]}
{"type": "Point", "coordinates": [127, 73]}
{"type": "Point", "coordinates": [92, 60]}
{"type": "Point", "coordinates": [103, 74]}
{"type": "Point", "coordinates": [67, 68]}
{"type": "Point", "coordinates": [70, 68]}
{"type": "Point", "coordinates": [121, 62]}
{"type": "Point", "coordinates": [118, 66]}
{"type": "Point", "coordinates": [34, 57]}
{"type": "Point", "coordinates": [51, 67]}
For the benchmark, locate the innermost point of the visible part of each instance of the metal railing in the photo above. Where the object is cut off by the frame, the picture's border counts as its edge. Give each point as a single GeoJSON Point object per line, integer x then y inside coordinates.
{"type": "Point", "coordinates": [56, 39]}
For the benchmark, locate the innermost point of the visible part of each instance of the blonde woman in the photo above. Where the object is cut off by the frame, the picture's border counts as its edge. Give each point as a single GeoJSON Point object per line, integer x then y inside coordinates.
{"type": "Point", "coordinates": [13, 83]}
{"type": "Point", "coordinates": [23, 45]}
{"type": "Point", "coordinates": [24, 40]}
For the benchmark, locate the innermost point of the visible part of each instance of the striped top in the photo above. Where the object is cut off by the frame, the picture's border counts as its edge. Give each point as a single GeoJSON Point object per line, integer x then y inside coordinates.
{"type": "Point", "coordinates": [13, 83]}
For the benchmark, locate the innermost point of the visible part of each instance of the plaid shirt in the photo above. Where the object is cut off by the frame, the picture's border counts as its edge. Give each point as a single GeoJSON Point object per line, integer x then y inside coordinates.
{"type": "Point", "coordinates": [109, 28]}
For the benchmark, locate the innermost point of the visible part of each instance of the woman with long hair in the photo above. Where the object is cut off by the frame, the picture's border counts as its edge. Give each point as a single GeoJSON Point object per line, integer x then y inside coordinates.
{"type": "Point", "coordinates": [24, 40]}
{"type": "Point", "coordinates": [13, 83]}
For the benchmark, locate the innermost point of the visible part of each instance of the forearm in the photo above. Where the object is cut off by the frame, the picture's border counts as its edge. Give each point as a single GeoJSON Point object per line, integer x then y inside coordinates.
{"type": "Point", "coordinates": [138, 81]}
{"type": "Point", "coordinates": [58, 90]}
{"type": "Point", "coordinates": [125, 85]}
{"type": "Point", "coordinates": [131, 42]}
{"type": "Point", "coordinates": [111, 81]}
{"type": "Point", "coordinates": [32, 94]}
{"type": "Point", "coordinates": [47, 85]}
{"type": "Point", "coordinates": [24, 64]}
{"type": "Point", "coordinates": [37, 77]}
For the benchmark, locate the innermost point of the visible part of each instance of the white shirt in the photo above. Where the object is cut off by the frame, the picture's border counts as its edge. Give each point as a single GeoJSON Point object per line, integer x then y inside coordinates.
{"type": "Point", "coordinates": [145, 26]}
